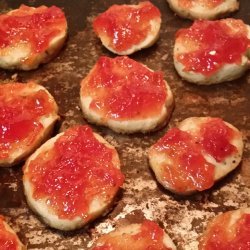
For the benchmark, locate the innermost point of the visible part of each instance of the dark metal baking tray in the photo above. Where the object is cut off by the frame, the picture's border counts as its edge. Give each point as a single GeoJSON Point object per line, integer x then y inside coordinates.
{"type": "Point", "coordinates": [184, 218]}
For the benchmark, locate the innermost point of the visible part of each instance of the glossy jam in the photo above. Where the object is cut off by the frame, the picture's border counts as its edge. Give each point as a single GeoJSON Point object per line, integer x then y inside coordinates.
{"type": "Point", "coordinates": [125, 25]}
{"type": "Point", "coordinates": [217, 44]}
{"type": "Point", "coordinates": [223, 236]}
{"type": "Point", "coordinates": [207, 3]}
{"type": "Point", "coordinates": [7, 239]}
{"type": "Point", "coordinates": [121, 88]}
{"type": "Point", "coordinates": [19, 116]}
{"type": "Point", "coordinates": [76, 170]}
{"type": "Point", "coordinates": [34, 26]}
{"type": "Point", "coordinates": [216, 137]}
{"type": "Point", "coordinates": [150, 237]}
{"type": "Point", "coordinates": [188, 169]}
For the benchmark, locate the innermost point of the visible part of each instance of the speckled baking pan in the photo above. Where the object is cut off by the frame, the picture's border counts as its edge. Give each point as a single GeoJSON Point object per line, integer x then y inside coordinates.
{"type": "Point", "coordinates": [141, 197]}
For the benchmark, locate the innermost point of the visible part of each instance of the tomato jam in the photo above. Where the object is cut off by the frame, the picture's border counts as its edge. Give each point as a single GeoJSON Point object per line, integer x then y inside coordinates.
{"type": "Point", "coordinates": [122, 88]}
{"type": "Point", "coordinates": [188, 169]}
{"type": "Point", "coordinates": [215, 139]}
{"type": "Point", "coordinates": [218, 43]}
{"type": "Point", "coordinates": [77, 170]}
{"type": "Point", "coordinates": [35, 26]}
{"type": "Point", "coordinates": [125, 25]}
{"type": "Point", "coordinates": [222, 235]}
{"type": "Point", "coordinates": [150, 237]}
{"type": "Point", "coordinates": [20, 113]}
{"type": "Point", "coordinates": [8, 240]}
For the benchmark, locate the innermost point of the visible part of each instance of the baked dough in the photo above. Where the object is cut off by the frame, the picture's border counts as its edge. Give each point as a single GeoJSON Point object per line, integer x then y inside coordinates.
{"type": "Point", "coordinates": [203, 9]}
{"type": "Point", "coordinates": [125, 96]}
{"type": "Point", "coordinates": [228, 230]}
{"type": "Point", "coordinates": [211, 52]}
{"type": "Point", "coordinates": [147, 235]}
{"type": "Point", "coordinates": [31, 36]}
{"type": "Point", "coordinates": [72, 178]}
{"type": "Point", "coordinates": [9, 239]}
{"type": "Point", "coordinates": [196, 154]}
{"type": "Point", "coordinates": [28, 113]}
{"type": "Point", "coordinates": [124, 29]}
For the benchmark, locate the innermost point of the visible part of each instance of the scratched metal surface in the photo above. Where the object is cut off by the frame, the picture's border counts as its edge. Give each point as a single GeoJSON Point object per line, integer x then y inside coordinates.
{"type": "Point", "coordinates": [141, 197]}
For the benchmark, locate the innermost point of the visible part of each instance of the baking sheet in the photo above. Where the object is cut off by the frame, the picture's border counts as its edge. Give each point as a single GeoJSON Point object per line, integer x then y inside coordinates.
{"type": "Point", "coordinates": [184, 218]}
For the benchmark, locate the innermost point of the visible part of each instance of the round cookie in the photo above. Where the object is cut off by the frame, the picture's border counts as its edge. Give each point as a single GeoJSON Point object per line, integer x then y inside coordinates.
{"type": "Point", "coordinates": [72, 178]}
{"type": "Point", "coordinates": [228, 230]}
{"type": "Point", "coordinates": [31, 36]}
{"type": "Point", "coordinates": [124, 29]}
{"type": "Point", "coordinates": [27, 116]}
{"type": "Point", "coordinates": [125, 96]}
{"type": "Point", "coordinates": [147, 235]}
{"type": "Point", "coordinates": [8, 238]}
{"type": "Point", "coordinates": [196, 154]}
{"type": "Point", "coordinates": [203, 9]}
{"type": "Point", "coordinates": [211, 52]}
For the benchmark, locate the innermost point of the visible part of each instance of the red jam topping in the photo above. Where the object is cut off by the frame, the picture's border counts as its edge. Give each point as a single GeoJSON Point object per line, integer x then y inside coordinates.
{"type": "Point", "coordinates": [125, 25]}
{"type": "Point", "coordinates": [223, 236]}
{"type": "Point", "coordinates": [20, 114]}
{"type": "Point", "coordinates": [219, 42]}
{"type": "Point", "coordinates": [75, 171]}
{"type": "Point", "coordinates": [215, 139]}
{"type": "Point", "coordinates": [121, 88]}
{"type": "Point", "coordinates": [207, 3]}
{"type": "Point", "coordinates": [8, 240]}
{"type": "Point", "coordinates": [34, 26]}
{"type": "Point", "coordinates": [150, 237]}
{"type": "Point", "coordinates": [188, 169]}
